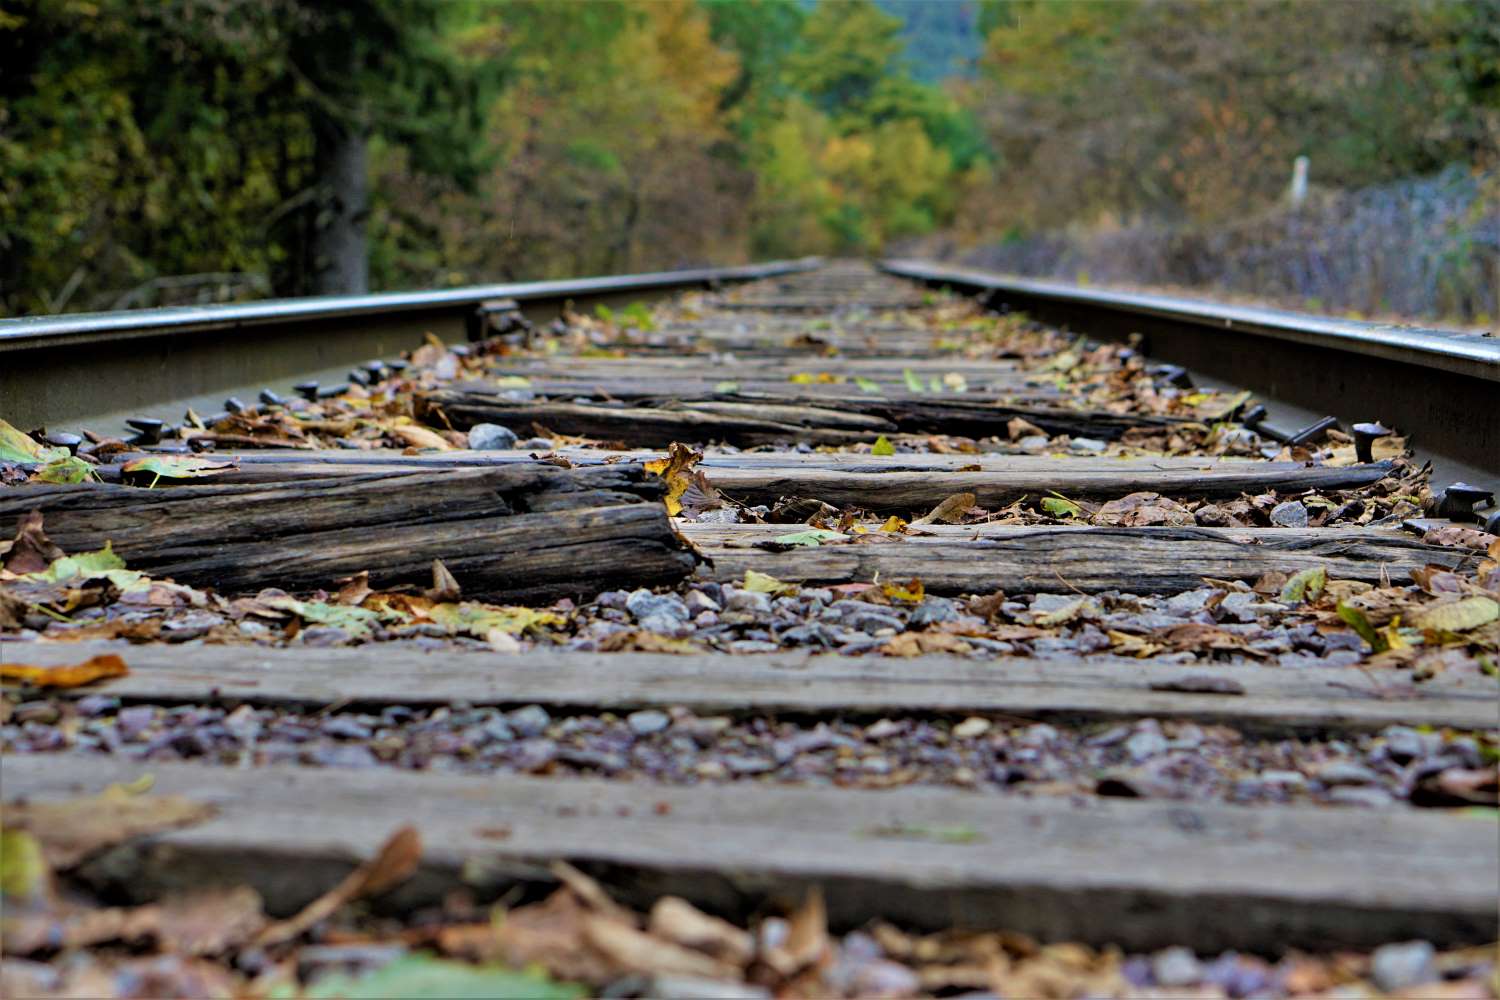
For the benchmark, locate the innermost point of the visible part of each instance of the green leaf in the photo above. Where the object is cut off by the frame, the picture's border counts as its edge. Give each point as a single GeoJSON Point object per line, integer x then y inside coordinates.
{"type": "Point", "coordinates": [1462, 615]}
{"type": "Point", "coordinates": [479, 620]}
{"type": "Point", "coordinates": [68, 469]}
{"type": "Point", "coordinates": [23, 869]}
{"type": "Point", "coordinates": [1357, 620]}
{"type": "Point", "coordinates": [18, 447]}
{"type": "Point", "coordinates": [867, 385]}
{"type": "Point", "coordinates": [913, 382]}
{"type": "Point", "coordinates": [883, 446]}
{"type": "Point", "coordinates": [176, 466]}
{"type": "Point", "coordinates": [422, 977]}
{"type": "Point", "coordinates": [82, 566]}
{"type": "Point", "coordinates": [726, 387]}
{"type": "Point", "coordinates": [1305, 585]}
{"type": "Point", "coordinates": [811, 538]}
{"type": "Point", "coordinates": [1060, 506]}
{"type": "Point", "coordinates": [354, 620]}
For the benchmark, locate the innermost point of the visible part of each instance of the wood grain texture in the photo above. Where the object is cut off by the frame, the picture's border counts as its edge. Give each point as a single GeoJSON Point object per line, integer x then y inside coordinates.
{"type": "Point", "coordinates": [1275, 700]}
{"type": "Point", "coordinates": [1154, 560]}
{"type": "Point", "coordinates": [513, 531]}
{"type": "Point", "coordinates": [848, 420]}
{"type": "Point", "coordinates": [1137, 874]}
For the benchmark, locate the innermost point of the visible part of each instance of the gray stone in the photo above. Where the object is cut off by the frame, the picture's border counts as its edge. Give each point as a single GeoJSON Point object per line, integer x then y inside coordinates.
{"type": "Point", "coordinates": [1346, 773]}
{"type": "Point", "coordinates": [697, 601]}
{"type": "Point", "coordinates": [934, 610]}
{"type": "Point", "coordinates": [1354, 795]}
{"type": "Point", "coordinates": [532, 720]}
{"type": "Point", "coordinates": [1176, 967]}
{"type": "Point", "coordinates": [747, 602]}
{"type": "Point", "coordinates": [1087, 446]}
{"type": "Point", "coordinates": [491, 437]}
{"type": "Point", "coordinates": [537, 444]}
{"type": "Point", "coordinates": [1403, 743]}
{"type": "Point", "coordinates": [658, 612]}
{"type": "Point", "coordinates": [1145, 743]}
{"type": "Point", "coordinates": [1291, 514]}
{"type": "Point", "coordinates": [647, 721]}
{"type": "Point", "coordinates": [1396, 967]}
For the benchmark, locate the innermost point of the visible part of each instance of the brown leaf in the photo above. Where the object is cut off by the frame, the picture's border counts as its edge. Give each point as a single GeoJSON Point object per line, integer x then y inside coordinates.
{"type": "Point", "coordinates": [1018, 427]}
{"type": "Point", "coordinates": [1142, 509]}
{"type": "Point", "coordinates": [445, 586]}
{"type": "Point", "coordinates": [1458, 537]}
{"type": "Point", "coordinates": [950, 511]}
{"type": "Point", "coordinates": [96, 668]}
{"type": "Point", "coordinates": [396, 862]}
{"type": "Point", "coordinates": [918, 643]}
{"type": "Point", "coordinates": [549, 934]}
{"type": "Point", "coordinates": [72, 830]}
{"type": "Point", "coordinates": [354, 589]}
{"type": "Point", "coordinates": [419, 437]}
{"type": "Point", "coordinates": [806, 941]}
{"type": "Point", "coordinates": [209, 921]}
{"type": "Point", "coordinates": [633, 950]}
{"type": "Point", "coordinates": [32, 551]}
{"type": "Point", "coordinates": [682, 923]}
{"type": "Point", "coordinates": [589, 892]}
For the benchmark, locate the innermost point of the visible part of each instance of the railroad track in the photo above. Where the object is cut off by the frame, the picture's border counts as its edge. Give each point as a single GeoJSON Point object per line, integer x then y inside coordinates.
{"type": "Point", "coordinates": [847, 611]}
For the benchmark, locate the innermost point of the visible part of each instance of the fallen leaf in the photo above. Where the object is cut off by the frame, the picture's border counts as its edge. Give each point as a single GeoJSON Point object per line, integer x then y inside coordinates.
{"type": "Point", "coordinates": [764, 583]}
{"type": "Point", "coordinates": [912, 591]}
{"type": "Point", "coordinates": [676, 470]}
{"type": "Point", "coordinates": [71, 830]}
{"type": "Point", "coordinates": [1459, 537]}
{"type": "Point", "coordinates": [913, 382]}
{"type": "Point", "coordinates": [950, 511]}
{"type": "Point", "coordinates": [354, 589]}
{"type": "Point", "coordinates": [806, 944]}
{"type": "Point", "coordinates": [634, 950]}
{"type": "Point", "coordinates": [393, 864]}
{"type": "Point", "coordinates": [66, 470]}
{"type": "Point", "coordinates": [425, 976]}
{"type": "Point", "coordinates": [24, 872]}
{"type": "Point", "coordinates": [16, 446]}
{"type": "Point", "coordinates": [1140, 510]}
{"type": "Point", "coordinates": [1060, 506]}
{"type": "Point", "coordinates": [96, 668]}
{"type": "Point", "coordinates": [1305, 585]}
{"type": "Point", "coordinates": [419, 437]}
{"type": "Point", "coordinates": [922, 643]}
{"type": "Point", "coordinates": [444, 585]}
{"type": "Point", "coordinates": [1019, 427]}
{"type": "Point", "coordinates": [893, 525]}
{"type": "Point", "coordinates": [811, 538]}
{"type": "Point", "coordinates": [882, 447]}
{"type": "Point", "coordinates": [32, 551]}
{"type": "Point", "coordinates": [1461, 615]}
{"type": "Point", "coordinates": [1357, 620]}
{"type": "Point", "coordinates": [682, 923]}
{"type": "Point", "coordinates": [174, 467]}
{"type": "Point", "coordinates": [867, 385]}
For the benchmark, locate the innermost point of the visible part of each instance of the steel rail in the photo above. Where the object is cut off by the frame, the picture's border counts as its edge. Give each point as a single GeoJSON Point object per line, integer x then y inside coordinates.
{"type": "Point", "coordinates": [93, 368]}
{"type": "Point", "coordinates": [1439, 386]}
{"type": "Point", "coordinates": [76, 328]}
{"type": "Point", "coordinates": [1473, 354]}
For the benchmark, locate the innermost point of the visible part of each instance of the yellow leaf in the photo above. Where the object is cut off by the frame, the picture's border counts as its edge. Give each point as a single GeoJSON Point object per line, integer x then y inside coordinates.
{"type": "Point", "coordinates": [893, 524]}
{"type": "Point", "coordinates": [883, 446]}
{"type": "Point", "coordinates": [911, 592]}
{"type": "Point", "coordinates": [676, 469]}
{"type": "Point", "coordinates": [764, 583]}
{"type": "Point", "coordinates": [1458, 616]}
{"type": "Point", "coordinates": [97, 668]}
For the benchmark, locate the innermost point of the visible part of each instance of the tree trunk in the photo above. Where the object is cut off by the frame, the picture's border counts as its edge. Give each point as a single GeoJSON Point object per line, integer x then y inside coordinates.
{"type": "Point", "coordinates": [340, 252]}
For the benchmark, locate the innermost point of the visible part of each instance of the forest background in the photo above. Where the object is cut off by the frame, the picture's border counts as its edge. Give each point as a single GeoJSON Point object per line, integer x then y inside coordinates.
{"type": "Point", "coordinates": [163, 151]}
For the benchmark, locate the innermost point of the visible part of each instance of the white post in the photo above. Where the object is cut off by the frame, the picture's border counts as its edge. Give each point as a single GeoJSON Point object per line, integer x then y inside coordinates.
{"type": "Point", "coordinates": [1297, 194]}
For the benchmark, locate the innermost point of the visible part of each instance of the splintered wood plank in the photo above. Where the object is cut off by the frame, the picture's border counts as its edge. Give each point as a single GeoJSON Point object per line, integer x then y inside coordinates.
{"type": "Point", "coordinates": [918, 492]}
{"type": "Point", "coordinates": [1084, 688]}
{"type": "Point", "coordinates": [511, 531]}
{"type": "Point", "coordinates": [1137, 874]}
{"type": "Point", "coordinates": [983, 558]}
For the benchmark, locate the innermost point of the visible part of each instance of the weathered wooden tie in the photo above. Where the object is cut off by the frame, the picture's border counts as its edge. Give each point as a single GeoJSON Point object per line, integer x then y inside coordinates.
{"type": "Point", "coordinates": [1135, 874]}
